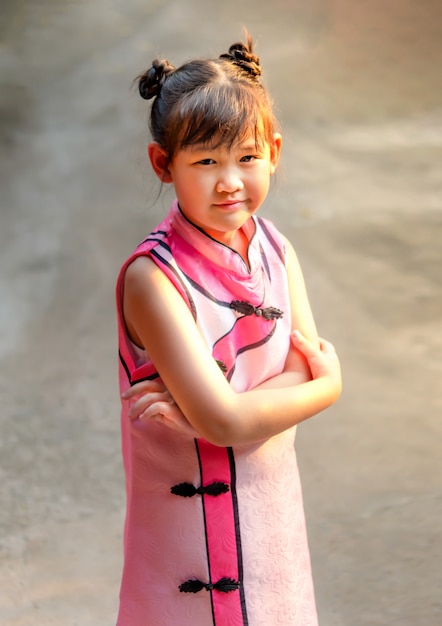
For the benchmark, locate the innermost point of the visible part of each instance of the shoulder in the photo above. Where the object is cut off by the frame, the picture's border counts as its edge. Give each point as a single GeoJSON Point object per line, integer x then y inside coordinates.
{"type": "Point", "coordinates": [277, 238]}
{"type": "Point", "coordinates": [150, 298]}
{"type": "Point", "coordinates": [150, 273]}
{"type": "Point", "coordinates": [268, 227]}
{"type": "Point", "coordinates": [139, 269]}
{"type": "Point", "coordinates": [272, 238]}
{"type": "Point", "coordinates": [155, 246]}
{"type": "Point", "coordinates": [157, 240]}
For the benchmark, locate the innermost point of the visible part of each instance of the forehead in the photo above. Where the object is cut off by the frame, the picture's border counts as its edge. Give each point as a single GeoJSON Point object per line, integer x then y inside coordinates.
{"type": "Point", "coordinates": [205, 121]}
{"type": "Point", "coordinates": [249, 137]}
{"type": "Point", "coordinates": [244, 143]}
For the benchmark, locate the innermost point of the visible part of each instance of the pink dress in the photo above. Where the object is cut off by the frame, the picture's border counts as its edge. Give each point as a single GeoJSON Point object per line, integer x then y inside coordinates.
{"type": "Point", "coordinates": [215, 536]}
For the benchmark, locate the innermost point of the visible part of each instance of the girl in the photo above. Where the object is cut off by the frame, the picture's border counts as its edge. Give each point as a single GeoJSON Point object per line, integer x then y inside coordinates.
{"type": "Point", "coordinates": [219, 360]}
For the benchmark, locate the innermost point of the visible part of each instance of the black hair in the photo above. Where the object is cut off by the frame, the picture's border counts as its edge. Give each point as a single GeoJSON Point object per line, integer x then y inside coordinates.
{"type": "Point", "coordinates": [208, 101]}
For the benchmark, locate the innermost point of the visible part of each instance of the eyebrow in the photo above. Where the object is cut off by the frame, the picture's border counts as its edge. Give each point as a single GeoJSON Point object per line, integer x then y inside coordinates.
{"type": "Point", "coordinates": [199, 147]}
{"type": "Point", "coordinates": [243, 147]}
{"type": "Point", "coordinates": [252, 147]}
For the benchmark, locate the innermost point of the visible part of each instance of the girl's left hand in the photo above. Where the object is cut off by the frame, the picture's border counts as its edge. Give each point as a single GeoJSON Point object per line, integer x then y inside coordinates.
{"type": "Point", "coordinates": [322, 359]}
{"type": "Point", "coordinates": [154, 402]}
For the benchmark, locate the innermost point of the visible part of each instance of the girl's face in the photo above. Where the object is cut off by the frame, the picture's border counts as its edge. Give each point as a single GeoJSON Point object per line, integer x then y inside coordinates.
{"type": "Point", "coordinates": [218, 189]}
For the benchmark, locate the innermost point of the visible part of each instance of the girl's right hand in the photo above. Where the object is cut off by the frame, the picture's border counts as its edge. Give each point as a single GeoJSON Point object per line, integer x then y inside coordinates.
{"type": "Point", "coordinates": [323, 360]}
{"type": "Point", "coordinates": [150, 400]}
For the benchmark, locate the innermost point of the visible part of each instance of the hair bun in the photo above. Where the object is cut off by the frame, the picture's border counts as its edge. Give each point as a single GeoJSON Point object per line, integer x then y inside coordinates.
{"type": "Point", "coordinates": [242, 55]}
{"type": "Point", "coordinates": [150, 83]}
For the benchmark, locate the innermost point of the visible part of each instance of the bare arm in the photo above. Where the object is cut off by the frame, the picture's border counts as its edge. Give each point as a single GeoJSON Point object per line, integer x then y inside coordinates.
{"type": "Point", "coordinates": [160, 319]}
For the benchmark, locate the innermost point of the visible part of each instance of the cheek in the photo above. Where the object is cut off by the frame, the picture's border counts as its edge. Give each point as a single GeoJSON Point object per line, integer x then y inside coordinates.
{"type": "Point", "coordinates": [263, 181]}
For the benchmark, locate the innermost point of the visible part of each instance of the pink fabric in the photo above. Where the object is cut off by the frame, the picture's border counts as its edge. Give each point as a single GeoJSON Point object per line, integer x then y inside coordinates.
{"type": "Point", "coordinates": [222, 542]}
{"type": "Point", "coordinates": [253, 533]}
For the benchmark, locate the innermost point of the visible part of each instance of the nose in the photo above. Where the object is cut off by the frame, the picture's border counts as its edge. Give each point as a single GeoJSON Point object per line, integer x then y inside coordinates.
{"type": "Point", "coordinates": [229, 181]}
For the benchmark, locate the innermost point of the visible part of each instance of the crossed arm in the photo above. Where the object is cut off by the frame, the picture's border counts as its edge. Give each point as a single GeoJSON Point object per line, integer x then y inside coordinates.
{"type": "Point", "coordinates": [158, 318]}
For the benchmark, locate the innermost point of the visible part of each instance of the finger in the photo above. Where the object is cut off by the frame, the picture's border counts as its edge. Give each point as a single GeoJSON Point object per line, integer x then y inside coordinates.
{"type": "Point", "coordinates": [164, 415]}
{"type": "Point", "coordinates": [144, 386]}
{"type": "Point", "coordinates": [155, 417]}
{"type": "Point", "coordinates": [156, 412]}
{"type": "Point", "coordinates": [305, 346]}
{"type": "Point", "coordinates": [160, 412]}
{"type": "Point", "coordinates": [147, 400]}
{"type": "Point", "coordinates": [327, 347]}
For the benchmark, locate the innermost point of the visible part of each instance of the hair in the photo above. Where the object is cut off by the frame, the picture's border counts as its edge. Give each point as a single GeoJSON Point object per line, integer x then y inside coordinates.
{"type": "Point", "coordinates": [208, 101]}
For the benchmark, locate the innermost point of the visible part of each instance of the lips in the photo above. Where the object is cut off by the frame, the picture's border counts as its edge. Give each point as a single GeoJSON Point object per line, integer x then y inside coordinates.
{"type": "Point", "coordinates": [229, 204]}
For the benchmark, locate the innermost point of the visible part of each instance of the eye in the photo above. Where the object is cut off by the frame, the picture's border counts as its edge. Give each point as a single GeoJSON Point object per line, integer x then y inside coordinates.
{"type": "Point", "coordinates": [248, 158]}
{"type": "Point", "coordinates": [205, 162]}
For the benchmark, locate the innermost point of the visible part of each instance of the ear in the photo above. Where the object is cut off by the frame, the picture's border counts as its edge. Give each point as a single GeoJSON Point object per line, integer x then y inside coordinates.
{"type": "Point", "coordinates": [275, 152]}
{"type": "Point", "coordinates": [158, 159]}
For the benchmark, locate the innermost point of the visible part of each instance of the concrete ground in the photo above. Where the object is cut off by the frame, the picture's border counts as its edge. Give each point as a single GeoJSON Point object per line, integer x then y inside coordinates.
{"type": "Point", "coordinates": [358, 89]}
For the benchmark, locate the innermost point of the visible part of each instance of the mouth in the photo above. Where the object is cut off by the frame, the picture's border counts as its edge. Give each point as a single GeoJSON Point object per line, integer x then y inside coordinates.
{"type": "Point", "coordinates": [229, 204]}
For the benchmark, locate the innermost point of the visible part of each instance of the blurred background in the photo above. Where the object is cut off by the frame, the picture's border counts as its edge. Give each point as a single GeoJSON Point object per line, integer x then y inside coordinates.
{"type": "Point", "coordinates": [358, 90]}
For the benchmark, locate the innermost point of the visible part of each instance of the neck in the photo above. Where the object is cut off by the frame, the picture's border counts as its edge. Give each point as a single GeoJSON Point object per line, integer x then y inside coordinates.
{"type": "Point", "coordinates": [240, 244]}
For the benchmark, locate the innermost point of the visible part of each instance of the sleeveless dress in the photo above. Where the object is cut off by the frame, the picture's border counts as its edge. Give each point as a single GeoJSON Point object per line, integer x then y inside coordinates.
{"type": "Point", "coordinates": [215, 536]}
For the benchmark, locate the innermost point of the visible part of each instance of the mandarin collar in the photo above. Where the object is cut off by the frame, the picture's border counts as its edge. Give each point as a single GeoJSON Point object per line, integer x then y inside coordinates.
{"type": "Point", "coordinates": [216, 252]}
